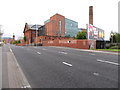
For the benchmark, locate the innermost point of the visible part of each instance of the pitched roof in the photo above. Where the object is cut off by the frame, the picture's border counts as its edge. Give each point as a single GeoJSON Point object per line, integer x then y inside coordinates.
{"type": "Point", "coordinates": [32, 27]}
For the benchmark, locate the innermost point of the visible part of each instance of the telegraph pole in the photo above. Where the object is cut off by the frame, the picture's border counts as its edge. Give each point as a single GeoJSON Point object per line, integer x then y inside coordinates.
{"type": "Point", "coordinates": [36, 33]}
{"type": "Point", "coordinates": [1, 34]}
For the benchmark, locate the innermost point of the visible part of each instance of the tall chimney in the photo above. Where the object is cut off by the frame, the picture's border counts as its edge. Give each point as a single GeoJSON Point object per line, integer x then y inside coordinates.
{"type": "Point", "coordinates": [91, 15]}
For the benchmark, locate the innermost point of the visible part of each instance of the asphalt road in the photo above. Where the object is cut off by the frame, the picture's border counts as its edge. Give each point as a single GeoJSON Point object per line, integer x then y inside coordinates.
{"type": "Point", "coordinates": [55, 67]}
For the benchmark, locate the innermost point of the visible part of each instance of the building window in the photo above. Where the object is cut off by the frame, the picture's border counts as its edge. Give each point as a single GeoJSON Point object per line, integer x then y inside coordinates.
{"type": "Point", "coordinates": [60, 27]}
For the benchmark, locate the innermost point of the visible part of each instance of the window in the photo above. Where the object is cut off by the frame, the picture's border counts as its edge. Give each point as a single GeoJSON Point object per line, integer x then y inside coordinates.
{"type": "Point", "coordinates": [60, 27]}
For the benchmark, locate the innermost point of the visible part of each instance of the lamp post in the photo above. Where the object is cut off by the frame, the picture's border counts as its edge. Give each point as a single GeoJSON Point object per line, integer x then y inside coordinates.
{"type": "Point", "coordinates": [36, 33]}
{"type": "Point", "coordinates": [1, 34]}
{"type": "Point", "coordinates": [112, 37]}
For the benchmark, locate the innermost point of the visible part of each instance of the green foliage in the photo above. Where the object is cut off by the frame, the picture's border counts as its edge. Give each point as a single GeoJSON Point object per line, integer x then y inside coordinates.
{"type": "Point", "coordinates": [25, 38]}
{"type": "Point", "coordinates": [16, 42]}
{"type": "Point", "coordinates": [115, 47]}
{"type": "Point", "coordinates": [117, 36]}
{"type": "Point", "coordinates": [81, 35]}
{"type": "Point", "coordinates": [114, 37]}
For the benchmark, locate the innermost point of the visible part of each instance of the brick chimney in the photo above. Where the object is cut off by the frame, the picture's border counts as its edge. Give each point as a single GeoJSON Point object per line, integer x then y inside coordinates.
{"type": "Point", "coordinates": [91, 15]}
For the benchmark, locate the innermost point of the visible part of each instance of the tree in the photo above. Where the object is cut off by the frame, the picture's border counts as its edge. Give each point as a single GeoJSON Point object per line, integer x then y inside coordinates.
{"type": "Point", "coordinates": [114, 37]}
{"type": "Point", "coordinates": [117, 36]}
{"type": "Point", "coordinates": [81, 35]}
{"type": "Point", "coordinates": [25, 38]}
{"type": "Point", "coordinates": [18, 41]}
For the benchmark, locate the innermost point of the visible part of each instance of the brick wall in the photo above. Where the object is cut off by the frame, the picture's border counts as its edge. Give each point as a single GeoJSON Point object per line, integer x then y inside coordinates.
{"type": "Point", "coordinates": [8, 40]}
{"type": "Point", "coordinates": [82, 44]}
{"type": "Point", "coordinates": [53, 27]}
{"type": "Point", "coordinates": [30, 35]}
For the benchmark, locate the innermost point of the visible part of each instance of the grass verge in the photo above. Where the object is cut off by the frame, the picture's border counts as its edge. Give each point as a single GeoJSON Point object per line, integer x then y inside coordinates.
{"type": "Point", "coordinates": [115, 50]}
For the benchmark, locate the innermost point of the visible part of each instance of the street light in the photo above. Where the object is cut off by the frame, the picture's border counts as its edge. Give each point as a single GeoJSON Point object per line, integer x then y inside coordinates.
{"type": "Point", "coordinates": [112, 36]}
{"type": "Point", "coordinates": [1, 34]}
{"type": "Point", "coordinates": [36, 33]}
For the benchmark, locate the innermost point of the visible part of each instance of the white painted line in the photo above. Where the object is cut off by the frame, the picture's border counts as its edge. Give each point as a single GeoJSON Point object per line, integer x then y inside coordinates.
{"type": "Point", "coordinates": [67, 64]}
{"type": "Point", "coordinates": [28, 86]}
{"type": "Point", "coordinates": [92, 54]}
{"type": "Point", "coordinates": [108, 62]}
{"type": "Point", "coordinates": [63, 52]}
{"type": "Point", "coordinates": [44, 49]}
{"type": "Point", "coordinates": [23, 79]}
{"type": "Point", "coordinates": [96, 74]}
{"type": "Point", "coordinates": [38, 52]}
{"type": "Point", "coordinates": [10, 50]}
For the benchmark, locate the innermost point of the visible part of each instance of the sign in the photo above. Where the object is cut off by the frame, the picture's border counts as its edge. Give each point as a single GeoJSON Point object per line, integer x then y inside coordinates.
{"type": "Point", "coordinates": [95, 33]}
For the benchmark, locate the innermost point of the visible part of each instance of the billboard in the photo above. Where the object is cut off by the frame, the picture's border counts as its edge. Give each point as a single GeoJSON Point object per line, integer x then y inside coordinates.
{"type": "Point", "coordinates": [95, 33]}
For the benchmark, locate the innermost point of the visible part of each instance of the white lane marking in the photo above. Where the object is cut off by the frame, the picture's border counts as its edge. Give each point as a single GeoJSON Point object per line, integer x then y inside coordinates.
{"type": "Point", "coordinates": [28, 86]}
{"type": "Point", "coordinates": [44, 49]}
{"type": "Point", "coordinates": [91, 54]}
{"type": "Point", "coordinates": [96, 74]}
{"type": "Point", "coordinates": [38, 52]}
{"type": "Point", "coordinates": [67, 64]}
{"type": "Point", "coordinates": [23, 78]}
{"type": "Point", "coordinates": [63, 52]}
{"type": "Point", "coordinates": [108, 62]}
{"type": "Point", "coordinates": [10, 50]}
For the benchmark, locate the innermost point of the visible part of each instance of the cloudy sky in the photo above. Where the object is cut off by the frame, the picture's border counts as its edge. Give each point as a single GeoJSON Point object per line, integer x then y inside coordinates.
{"type": "Point", "coordinates": [15, 13]}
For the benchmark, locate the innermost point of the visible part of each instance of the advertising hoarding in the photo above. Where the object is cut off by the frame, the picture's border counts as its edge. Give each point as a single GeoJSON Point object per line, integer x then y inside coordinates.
{"type": "Point", "coordinates": [95, 33]}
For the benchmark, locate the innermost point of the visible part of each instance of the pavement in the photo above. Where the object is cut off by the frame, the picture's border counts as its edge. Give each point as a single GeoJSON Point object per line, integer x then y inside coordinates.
{"type": "Point", "coordinates": [88, 50]}
{"type": "Point", "coordinates": [58, 67]}
{"type": "Point", "coordinates": [0, 67]}
{"type": "Point", "coordinates": [12, 75]}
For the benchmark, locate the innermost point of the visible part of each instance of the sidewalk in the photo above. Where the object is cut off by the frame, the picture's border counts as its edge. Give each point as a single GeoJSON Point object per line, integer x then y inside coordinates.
{"type": "Point", "coordinates": [87, 50]}
{"type": "Point", "coordinates": [16, 78]}
{"type": "Point", "coordinates": [0, 67]}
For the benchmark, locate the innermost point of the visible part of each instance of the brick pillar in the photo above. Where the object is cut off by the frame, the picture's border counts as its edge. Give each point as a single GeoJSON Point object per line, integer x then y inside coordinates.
{"type": "Point", "coordinates": [91, 15]}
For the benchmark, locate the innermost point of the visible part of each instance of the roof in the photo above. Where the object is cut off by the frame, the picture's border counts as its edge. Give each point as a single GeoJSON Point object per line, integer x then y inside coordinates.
{"type": "Point", "coordinates": [7, 38]}
{"type": "Point", "coordinates": [31, 27]}
{"type": "Point", "coordinates": [34, 27]}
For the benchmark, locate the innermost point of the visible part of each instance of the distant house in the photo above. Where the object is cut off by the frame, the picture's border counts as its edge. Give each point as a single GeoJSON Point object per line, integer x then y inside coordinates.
{"type": "Point", "coordinates": [30, 32]}
{"type": "Point", "coordinates": [7, 39]}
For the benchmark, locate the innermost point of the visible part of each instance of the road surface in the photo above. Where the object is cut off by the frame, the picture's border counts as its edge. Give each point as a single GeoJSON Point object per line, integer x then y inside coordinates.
{"type": "Point", "coordinates": [57, 67]}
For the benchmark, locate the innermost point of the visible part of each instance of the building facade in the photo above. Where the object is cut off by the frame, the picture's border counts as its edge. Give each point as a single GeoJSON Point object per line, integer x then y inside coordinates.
{"type": "Point", "coordinates": [71, 28]}
{"type": "Point", "coordinates": [58, 25]}
{"type": "Point", "coordinates": [31, 32]}
{"type": "Point", "coordinates": [55, 26]}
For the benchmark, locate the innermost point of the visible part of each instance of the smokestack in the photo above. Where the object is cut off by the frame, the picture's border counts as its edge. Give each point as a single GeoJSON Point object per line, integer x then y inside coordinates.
{"type": "Point", "coordinates": [91, 15]}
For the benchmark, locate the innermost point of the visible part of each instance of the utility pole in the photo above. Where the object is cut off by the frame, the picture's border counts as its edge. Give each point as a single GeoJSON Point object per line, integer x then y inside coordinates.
{"type": "Point", "coordinates": [1, 34]}
{"type": "Point", "coordinates": [36, 33]}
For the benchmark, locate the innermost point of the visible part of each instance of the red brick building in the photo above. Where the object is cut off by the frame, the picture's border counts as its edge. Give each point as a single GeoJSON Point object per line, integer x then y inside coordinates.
{"type": "Point", "coordinates": [30, 32]}
{"type": "Point", "coordinates": [55, 26]}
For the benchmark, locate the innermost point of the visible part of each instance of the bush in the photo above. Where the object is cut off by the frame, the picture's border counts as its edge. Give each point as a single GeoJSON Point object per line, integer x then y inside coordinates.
{"type": "Point", "coordinates": [115, 47]}
{"type": "Point", "coordinates": [81, 35]}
